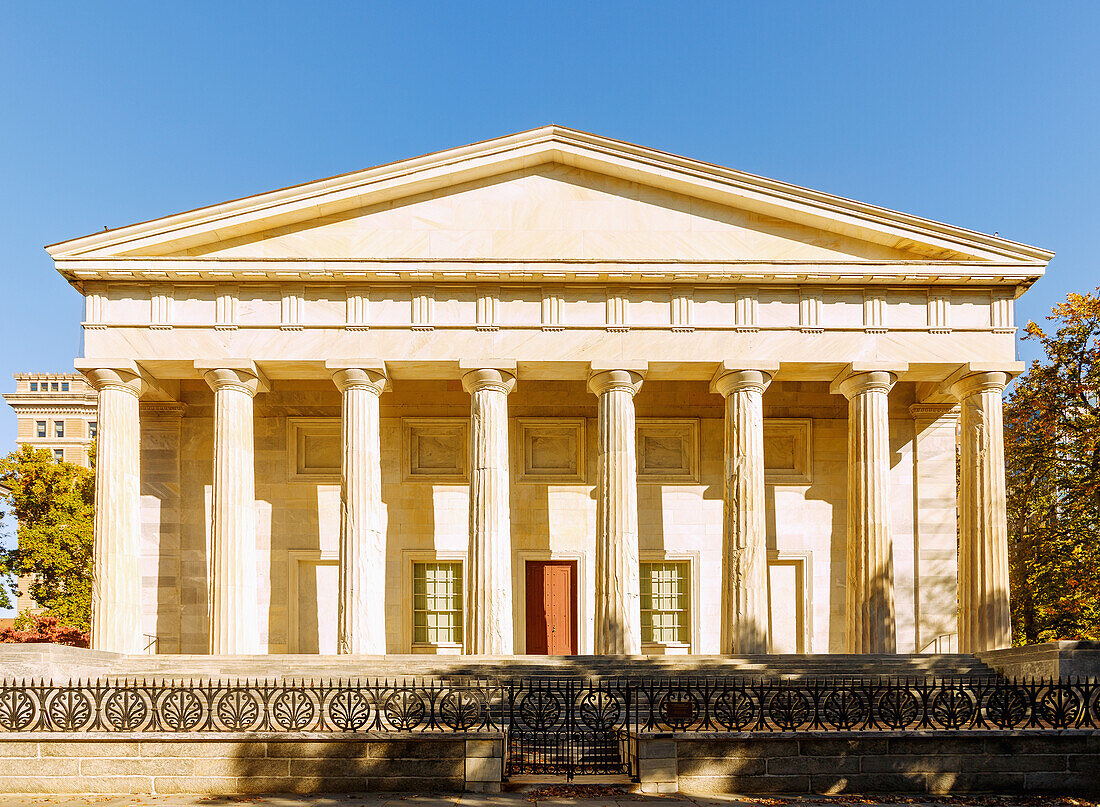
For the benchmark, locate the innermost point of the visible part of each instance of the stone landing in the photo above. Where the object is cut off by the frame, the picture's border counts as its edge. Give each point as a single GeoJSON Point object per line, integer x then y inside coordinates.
{"type": "Point", "coordinates": [60, 663]}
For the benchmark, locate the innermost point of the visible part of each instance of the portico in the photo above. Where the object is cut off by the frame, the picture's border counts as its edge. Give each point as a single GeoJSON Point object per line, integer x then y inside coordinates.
{"type": "Point", "coordinates": [356, 416]}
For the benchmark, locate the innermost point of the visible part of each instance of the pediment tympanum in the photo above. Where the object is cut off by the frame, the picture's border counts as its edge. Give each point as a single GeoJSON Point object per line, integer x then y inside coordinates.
{"type": "Point", "coordinates": [551, 211]}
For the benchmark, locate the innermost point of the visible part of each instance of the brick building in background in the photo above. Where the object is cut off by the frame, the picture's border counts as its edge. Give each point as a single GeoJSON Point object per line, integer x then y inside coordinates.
{"type": "Point", "coordinates": [57, 412]}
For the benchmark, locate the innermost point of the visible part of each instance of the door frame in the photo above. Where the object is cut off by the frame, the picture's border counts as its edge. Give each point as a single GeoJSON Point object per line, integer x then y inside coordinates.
{"type": "Point", "coordinates": [519, 584]}
{"type": "Point", "coordinates": [295, 558]}
{"type": "Point", "coordinates": [804, 559]}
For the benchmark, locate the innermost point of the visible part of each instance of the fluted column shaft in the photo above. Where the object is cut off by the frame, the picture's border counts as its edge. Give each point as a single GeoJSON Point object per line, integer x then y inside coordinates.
{"type": "Point", "coordinates": [985, 622]}
{"type": "Point", "coordinates": [745, 556]}
{"type": "Point", "coordinates": [234, 612]}
{"type": "Point", "coordinates": [362, 599]}
{"type": "Point", "coordinates": [618, 621]}
{"type": "Point", "coordinates": [116, 568]}
{"type": "Point", "coordinates": [870, 590]}
{"type": "Point", "coordinates": [489, 588]}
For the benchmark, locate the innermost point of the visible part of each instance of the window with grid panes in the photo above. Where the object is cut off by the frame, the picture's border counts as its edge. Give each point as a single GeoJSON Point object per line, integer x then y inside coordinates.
{"type": "Point", "coordinates": [666, 602]}
{"type": "Point", "coordinates": [437, 602]}
{"type": "Point", "coordinates": [40, 428]}
{"type": "Point", "coordinates": [59, 428]}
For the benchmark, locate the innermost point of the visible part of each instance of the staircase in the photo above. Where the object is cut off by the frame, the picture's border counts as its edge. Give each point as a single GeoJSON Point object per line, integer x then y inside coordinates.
{"type": "Point", "coordinates": [428, 667]}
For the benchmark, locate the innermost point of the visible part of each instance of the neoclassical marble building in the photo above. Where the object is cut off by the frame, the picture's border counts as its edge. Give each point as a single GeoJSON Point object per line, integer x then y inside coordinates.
{"type": "Point", "coordinates": [549, 393]}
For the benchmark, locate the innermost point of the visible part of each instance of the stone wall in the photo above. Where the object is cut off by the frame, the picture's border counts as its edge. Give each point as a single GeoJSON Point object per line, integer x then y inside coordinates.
{"type": "Point", "coordinates": [869, 762]}
{"type": "Point", "coordinates": [242, 764]}
{"type": "Point", "coordinates": [1047, 660]}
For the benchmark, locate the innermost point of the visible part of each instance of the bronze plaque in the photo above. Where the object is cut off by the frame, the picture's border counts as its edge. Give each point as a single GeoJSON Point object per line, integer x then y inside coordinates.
{"type": "Point", "coordinates": [679, 712]}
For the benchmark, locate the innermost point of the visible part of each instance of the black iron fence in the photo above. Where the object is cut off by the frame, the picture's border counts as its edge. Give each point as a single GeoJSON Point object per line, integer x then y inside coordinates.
{"type": "Point", "coordinates": [539, 707]}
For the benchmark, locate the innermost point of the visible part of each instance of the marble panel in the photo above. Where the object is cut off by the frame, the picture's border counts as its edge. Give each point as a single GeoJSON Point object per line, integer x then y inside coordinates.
{"type": "Point", "coordinates": [668, 450]}
{"type": "Point", "coordinates": [436, 450]}
{"type": "Point", "coordinates": [550, 450]}
{"type": "Point", "coordinates": [788, 451]}
{"type": "Point", "coordinates": [314, 449]}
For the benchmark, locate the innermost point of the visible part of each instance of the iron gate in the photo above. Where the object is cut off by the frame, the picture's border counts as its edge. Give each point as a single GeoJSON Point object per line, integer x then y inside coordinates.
{"type": "Point", "coordinates": [569, 727]}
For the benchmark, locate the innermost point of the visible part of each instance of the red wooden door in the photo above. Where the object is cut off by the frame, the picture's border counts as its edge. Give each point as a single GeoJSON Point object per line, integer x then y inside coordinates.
{"type": "Point", "coordinates": [551, 607]}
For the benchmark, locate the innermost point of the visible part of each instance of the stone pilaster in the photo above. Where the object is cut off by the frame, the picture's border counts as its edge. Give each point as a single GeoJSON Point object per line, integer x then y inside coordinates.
{"type": "Point", "coordinates": [870, 590]}
{"type": "Point", "coordinates": [745, 551]}
{"type": "Point", "coordinates": [116, 567]}
{"type": "Point", "coordinates": [489, 571]}
{"type": "Point", "coordinates": [362, 603]}
{"type": "Point", "coordinates": [618, 620]}
{"type": "Point", "coordinates": [985, 622]}
{"type": "Point", "coordinates": [234, 612]}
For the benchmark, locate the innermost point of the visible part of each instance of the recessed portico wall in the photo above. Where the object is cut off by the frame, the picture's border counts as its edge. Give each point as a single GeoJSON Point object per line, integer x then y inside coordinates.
{"type": "Point", "coordinates": [300, 518]}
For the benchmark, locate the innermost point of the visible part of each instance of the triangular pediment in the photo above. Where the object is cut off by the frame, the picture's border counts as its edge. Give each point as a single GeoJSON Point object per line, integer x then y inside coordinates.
{"type": "Point", "coordinates": [548, 194]}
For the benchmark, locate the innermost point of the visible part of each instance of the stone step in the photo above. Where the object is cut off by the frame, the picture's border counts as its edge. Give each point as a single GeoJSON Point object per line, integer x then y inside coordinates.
{"type": "Point", "coordinates": [67, 663]}
{"type": "Point", "coordinates": [371, 667]}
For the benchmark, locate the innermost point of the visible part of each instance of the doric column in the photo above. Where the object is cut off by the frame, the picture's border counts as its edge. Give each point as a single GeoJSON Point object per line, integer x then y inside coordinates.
{"type": "Point", "coordinates": [489, 574]}
{"type": "Point", "coordinates": [618, 620]}
{"type": "Point", "coordinates": [116, 567]}
{"type": "Point", "coordinates": [985, 622]}
{"type": "Point", "coordinates": [870, 590]}
{"type": "Point", "coordinates": [362, 603]}
{"type": "Point", "coordinates": [234, 611]}
{"type": "Point", "coordinates": [745, 550]}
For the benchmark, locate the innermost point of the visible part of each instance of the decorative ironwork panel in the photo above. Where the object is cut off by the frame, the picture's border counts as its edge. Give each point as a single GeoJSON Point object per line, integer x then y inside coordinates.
{"type": "Point", "coordinates": [567, 708]}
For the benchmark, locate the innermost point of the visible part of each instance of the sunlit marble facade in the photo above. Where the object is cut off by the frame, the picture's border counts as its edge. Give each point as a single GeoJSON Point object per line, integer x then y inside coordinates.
{"type": "Point", "coordinates": [548, 393]}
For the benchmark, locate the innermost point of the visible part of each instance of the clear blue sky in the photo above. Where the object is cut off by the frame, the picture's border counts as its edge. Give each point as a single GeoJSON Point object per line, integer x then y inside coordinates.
{"type": "Point", "coordinates": [984, 115]}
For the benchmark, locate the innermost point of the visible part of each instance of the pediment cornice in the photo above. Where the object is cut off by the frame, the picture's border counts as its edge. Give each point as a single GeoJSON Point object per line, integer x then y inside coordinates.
{"type": "Point", "coordinates": [269, 270]}
{"type": "Point", "coordinates": [550, 144]}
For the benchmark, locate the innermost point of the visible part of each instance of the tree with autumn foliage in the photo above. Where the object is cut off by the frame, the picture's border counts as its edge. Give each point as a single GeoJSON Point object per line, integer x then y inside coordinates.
{"type": "Point", "coordinates": [1052, 459]}
{"type": "Point", "coordinates": [52, 503]}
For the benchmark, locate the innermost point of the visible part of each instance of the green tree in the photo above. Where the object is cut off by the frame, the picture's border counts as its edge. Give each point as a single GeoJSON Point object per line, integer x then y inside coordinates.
{"type": "Point", "coordinates": [1052, 459]}
{"type": "Point", "coordinates": [52, 503]}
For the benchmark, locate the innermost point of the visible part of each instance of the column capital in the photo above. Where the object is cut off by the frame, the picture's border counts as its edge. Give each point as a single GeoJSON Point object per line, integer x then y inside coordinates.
{"type": "Point", "coordinates": [626, 378]}
{"type": "Point", "coordinates": [368, 375]}
{"type": "Point", "coordinates": [933, 411]}
{"type": "Point", "coordinates": [162, 410]}
{"type": "Point", "coordinates": [120, 374]}
{"type": "Point", "coordinates": [493, 378]}
{"type": "Point", "coordinates": [979, 382]}
{"type": "Point", "coordinates": [239, 374]}
{"type": "Point", "coordinates": [975, 376]}
{"type": "Point", "coordinates": [861, 377]}
{"type": "Point", "coordinates": [728, 381]}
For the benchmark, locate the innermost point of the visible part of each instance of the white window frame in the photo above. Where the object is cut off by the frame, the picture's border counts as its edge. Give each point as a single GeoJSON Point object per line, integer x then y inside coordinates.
{"type": "Point", "coordinates": [41, 429]}
{"type": "Point", "coordinates": [410, 559]}
{"type": "Point", "coordinates": [692, 560]}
